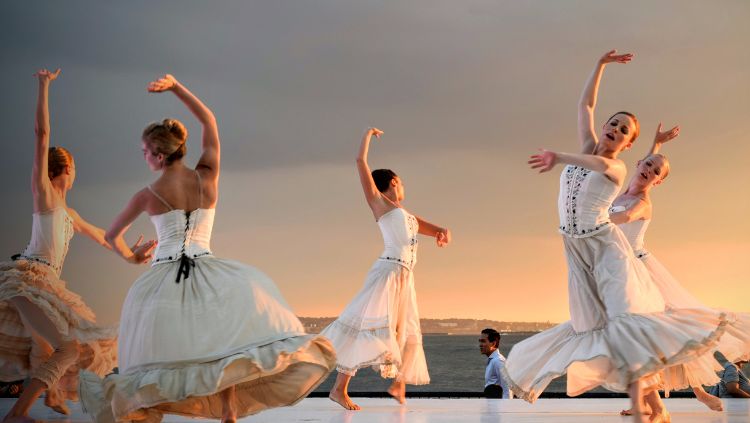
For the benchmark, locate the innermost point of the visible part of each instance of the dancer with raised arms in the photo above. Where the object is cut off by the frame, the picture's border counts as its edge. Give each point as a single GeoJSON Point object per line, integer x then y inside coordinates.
{"type": "Point", "coordinates": [47, 332]}
{"type": "Point", "coordinates": [620, 335]}
{"type": "Point", "coordinates": [200, 336]}
{"type": "Point", "coordinates": [380, 326]}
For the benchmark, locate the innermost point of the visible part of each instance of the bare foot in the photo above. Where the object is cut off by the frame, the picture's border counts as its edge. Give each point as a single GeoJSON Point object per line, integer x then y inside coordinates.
{"type": "Point", "coordinates": [54, 400]}
{"type": "Point", "coordinates": [661, 417]}
{"type": "Point", "coordinates": [629, 412]}
{"type": "Point", "coordinates": [398, 392]}
{"type": "Point", "coordinates": [711, 401]}
{"type": "Point", "coordinates": [342, 399]}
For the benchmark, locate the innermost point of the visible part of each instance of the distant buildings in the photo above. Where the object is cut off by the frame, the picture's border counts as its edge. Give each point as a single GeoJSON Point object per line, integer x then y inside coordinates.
{"type": "Point", "coordinates": [446, 326]}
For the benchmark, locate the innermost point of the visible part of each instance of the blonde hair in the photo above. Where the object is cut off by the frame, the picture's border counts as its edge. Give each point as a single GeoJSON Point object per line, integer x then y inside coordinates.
{"type": "Point", "coordinates": [58, 159]}
{"type": "Point", "coordinates": [666, 167]}
{"type": "Point", "coordinates": [168, 138]}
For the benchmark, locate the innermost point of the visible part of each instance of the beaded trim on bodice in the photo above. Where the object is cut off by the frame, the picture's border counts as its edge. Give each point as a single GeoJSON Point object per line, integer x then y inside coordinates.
{"type": "Point", "coordinates": [44, 246]}
{"type": "Point", "coordinates": [400, 237]}
{"type": "Point", "coordinates": [582, 208]}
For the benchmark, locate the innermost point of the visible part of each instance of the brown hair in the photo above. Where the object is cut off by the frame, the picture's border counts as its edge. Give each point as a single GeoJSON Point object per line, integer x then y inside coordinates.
{"type": "Point", "coordinates": [635, 121]}
{"type": "Point", "coordinates": [168, 138]}
{"type": "Point", "coordinates": [58, 159]}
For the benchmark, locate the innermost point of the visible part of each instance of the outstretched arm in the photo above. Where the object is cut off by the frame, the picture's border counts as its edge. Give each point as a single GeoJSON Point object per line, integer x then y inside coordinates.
{"type": "Point", "coordinates": [40, 183]}
{"type": "Point", "coordinates": [138, 253]}
{"type": "Point", "coordinates": [587, 104]}
{"type": "Point", "coordinates": [636, 212]}
{"type": "Point", "coordinates": [442, 235]}
{"type": "Point", "coordinates": [94, 232]}
{"type": "Point", "coordinates": [613, 169]}
{"type": "Point", "coordinates": [663, 137]}
{"type": "Point", "coordinates": [210, 156]}
{"type": "Point", "coordinates": [372, 195]}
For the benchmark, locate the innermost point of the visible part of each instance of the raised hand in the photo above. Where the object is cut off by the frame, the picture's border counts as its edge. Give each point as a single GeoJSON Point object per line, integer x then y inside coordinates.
{"type": "Point", "coordinates": [543, 161]}
{"type": "Point", "coordinates": [443, 237]}
{"type": "Point", "coordinates": [142, 252]}
{"type": "Point", "coordinates": [45, 76]}
{"type": "Point", "coordinates": [375, 132]}
{"type": "Point", "coordinates": [662, 137]}
{"type": "Point", "coordinates": [611, 56]}
{"type": "Point", "coordinates": [165, 83]}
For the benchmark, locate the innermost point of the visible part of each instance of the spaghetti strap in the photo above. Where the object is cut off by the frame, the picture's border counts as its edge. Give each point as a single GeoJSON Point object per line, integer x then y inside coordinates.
{"type": "Point", "coordinates": [160, 198]}
{"type": "Point", "coordinates": [200, 189]}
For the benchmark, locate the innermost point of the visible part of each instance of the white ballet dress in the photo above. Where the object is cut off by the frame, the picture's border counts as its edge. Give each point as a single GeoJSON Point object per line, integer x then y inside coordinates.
{"type": "Point", "coordinates": [380, 328]}
{"type": "Point", "coordinates": [194, 325]}
{"type": "Point", "coordinates": [734, 344]}
{"type": "Point", "coordinates": [35, 275]}
{"type": "Point", "coordinates": [620, 330]}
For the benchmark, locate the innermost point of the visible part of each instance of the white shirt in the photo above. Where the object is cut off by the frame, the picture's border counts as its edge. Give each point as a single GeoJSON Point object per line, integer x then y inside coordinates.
{"type": "Point", "coordinates": [495, 362]}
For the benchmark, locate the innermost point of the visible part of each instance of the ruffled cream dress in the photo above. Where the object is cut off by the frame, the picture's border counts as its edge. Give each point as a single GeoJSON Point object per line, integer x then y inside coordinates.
{"type": "Point", "coordinates": [620, 329]}
{"type": "Point", "coordinates": [194, 325]}
{"type": "Point", "coordinates": [35, 275]}
{"type": "Point", "coordinates": [380, 328]}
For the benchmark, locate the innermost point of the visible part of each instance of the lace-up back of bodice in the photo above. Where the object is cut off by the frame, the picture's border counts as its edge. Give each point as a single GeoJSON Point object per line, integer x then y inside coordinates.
{"type": "Point", "coordinates": [51, 232]}
{"type": "Point", "coordinates": [583, 204]}
{"type": "Point", "coordinates": [399, 230]}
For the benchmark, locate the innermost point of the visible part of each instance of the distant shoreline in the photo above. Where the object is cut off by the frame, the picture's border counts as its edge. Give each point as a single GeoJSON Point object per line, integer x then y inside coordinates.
{"type": "Point", "coordinates": [451, 326]}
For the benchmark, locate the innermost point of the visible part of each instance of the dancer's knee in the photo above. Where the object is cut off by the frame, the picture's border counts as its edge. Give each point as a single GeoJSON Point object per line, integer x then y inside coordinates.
{"type": "Point", "coordinates": [64, 356]}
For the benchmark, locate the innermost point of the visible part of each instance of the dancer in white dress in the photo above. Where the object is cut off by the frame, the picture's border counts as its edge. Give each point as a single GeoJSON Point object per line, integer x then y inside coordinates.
{"type": "Point", "coordinates": [199, 336]}
{"type": "Point", "coordinates": [47, 332]}
{"type": "Point", "coordinates": [620, 335]}
{"type": "Point", "coordinates": [632, 212]}
{"type": "Point", "coordinates": [380, 326]}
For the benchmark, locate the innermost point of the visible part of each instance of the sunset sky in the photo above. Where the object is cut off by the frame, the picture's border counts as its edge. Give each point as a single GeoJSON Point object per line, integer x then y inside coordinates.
{"type": "Point", "coordinates": [464, 90]}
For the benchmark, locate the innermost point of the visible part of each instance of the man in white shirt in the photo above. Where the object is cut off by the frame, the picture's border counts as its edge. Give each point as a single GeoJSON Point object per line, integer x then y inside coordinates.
{"type": "Point", "coordinates": [494, 385]}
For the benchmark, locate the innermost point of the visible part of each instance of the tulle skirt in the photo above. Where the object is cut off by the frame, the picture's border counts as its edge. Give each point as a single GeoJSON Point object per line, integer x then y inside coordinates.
{"type": "Point", "coordinates": [380, 328]}
{"type": "Point", "coordinates": [620, 331]}
{"type": "Point", "coordinates": [733, 345]}
{"type": "Point", "coordinates": [181, 344]}
{"type": "Point", "coordinates": [21, 351]}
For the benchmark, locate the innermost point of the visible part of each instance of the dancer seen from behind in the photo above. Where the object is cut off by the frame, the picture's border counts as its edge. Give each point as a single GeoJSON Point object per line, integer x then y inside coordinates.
{"type": "Point", "coordinates": [47, 333]}
{"type": "Point", "coordinates": [620, 335]}
{"type": "Point", "coordinates": [380, 328]}
{"type": "Point", "coordinates": [632, 211]}
{"type": "Point", "coordinates": [199, 336]}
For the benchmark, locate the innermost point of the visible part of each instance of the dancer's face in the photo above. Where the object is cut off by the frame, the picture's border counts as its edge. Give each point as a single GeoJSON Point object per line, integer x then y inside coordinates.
{"type": "Point", "coordinates": [154, 161]}
{"type": "Point", "coordinates": [485, 346]}
{"type": "Point", "coordinates": [71, 174]}
{"type": "Point", "coordinates": [398, 188]}
{"type": "Point", "coordinates": [650, 171]}
{"type": "Point", "coordinates": [617, 133]}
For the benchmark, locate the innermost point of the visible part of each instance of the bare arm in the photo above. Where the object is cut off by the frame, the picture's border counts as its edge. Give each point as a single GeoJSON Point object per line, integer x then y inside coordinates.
{"type": "Point", "coordinates": [93, 232]}
{"type": "Point", "coordinates": [374, 199]}
{"type": "Point", "coordinates": [139, 253]}
{"type": "Point", "coordinates": [210, 156]}
{"type": "Point", "coordinates": [40, 183]}
{"type": "Point", "coordinates": [662, 137]}
{"type": "Point", "coordinates": [613, 169]}
{"type": "Point", "coordinates": [638, 211]}
{"type": "Point", "coordinates": [442, 235]}
{"type": "Point", "coordinates": [587, 103]}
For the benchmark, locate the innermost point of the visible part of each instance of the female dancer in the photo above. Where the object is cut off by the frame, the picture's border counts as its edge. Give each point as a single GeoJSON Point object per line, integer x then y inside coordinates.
{"type": "Point", "coordinates": [619, 335]}
{"type": "Point", "coordinates": [199, 336]}
{"type": "Point", "coordinates": [46, 331]}
{"type": "Point", "coordinates": [380, 326]}
{"type": "Point", "coordinates": [632, 212]}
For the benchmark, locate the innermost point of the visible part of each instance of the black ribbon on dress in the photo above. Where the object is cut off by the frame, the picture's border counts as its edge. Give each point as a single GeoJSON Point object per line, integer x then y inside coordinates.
{"type": "Point", "coordinates": [184, 271]}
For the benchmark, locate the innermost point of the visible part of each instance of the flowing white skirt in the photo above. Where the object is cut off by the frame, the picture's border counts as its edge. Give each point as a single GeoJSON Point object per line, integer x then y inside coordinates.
{"type": "Point", "coordinates": [181, 344]}
{"type": "Point", "coordinates": [734, 344]}
{"type": "Point", "coordinates": [380, 328]}
{"type": "Point", "coordinates": [620, 329]}
{"type": "Point", "coordinates": [21, 351]}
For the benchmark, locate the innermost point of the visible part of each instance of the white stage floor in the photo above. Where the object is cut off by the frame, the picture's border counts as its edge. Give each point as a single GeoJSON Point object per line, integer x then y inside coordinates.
{"type": "Point", "coordinates": [418, 410]}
